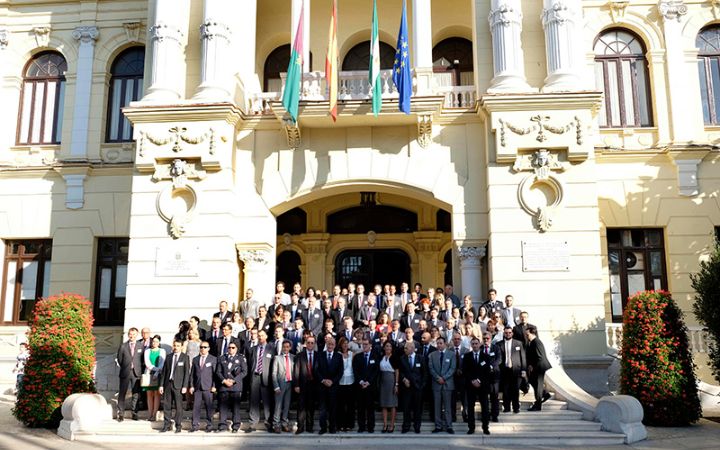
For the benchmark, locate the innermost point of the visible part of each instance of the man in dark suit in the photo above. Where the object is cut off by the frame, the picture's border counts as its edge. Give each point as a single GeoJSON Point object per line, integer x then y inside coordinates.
{"type": "Point", "coordinates": [175, 380]}
{"type": "Point", "coordinates": [223, 344]}
{"type": "Point", "coordinates": [458, 351]}
{"type": "Point", "coordinates": [393, 308]}
{"type": "Point", "coordinates": [224, 314]}
{"type": "Point", "coordinates": [413, 379]}
{"type": "Point", "coordinates": [396, 336]}
{"type": "Point", "coordinates": [313, 317]}
{"type": "Point", "coordinates": [306, 385]}
{"type": "Point", "coordinates": [260, 362]}
{"type": "Point", "coordinates": [410, 319]}
{"type": "Point", "coordinates": [130, 361]}
{"type": "Point", "coordinates": [476, 369]}
{"type": "Point", "coordinates": [492, 304]}
{"type": "Point", "coordinates": [358, 301]}
{"type": "Point", "coordinates": [202, 386]}
{"type": "Point", "coordinates": [520, 327]}
{"type": "Point", "coordinates": [513, 365]}
{"type": "Point", "coordinates": [230, 371]}
{"type": "Point", "coordinates": [295, 308]}
{"type": "Point", "coordinates": [491, 350]}
{"type": "Point", "coordinates": [368, 312]}
{"type": "Point", "coordinates": [330, 370]}
{"type": "Point", "coordinates": [537, 365]}
{"type": "Point", "coordinates": [214, 335]}
{"type": "Point", "coordinates": [366, 368]}
{"type": "Point", "coordinates": [339, 314]}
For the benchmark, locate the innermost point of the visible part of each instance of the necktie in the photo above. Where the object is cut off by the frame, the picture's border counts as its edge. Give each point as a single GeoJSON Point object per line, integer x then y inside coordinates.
{"type": "Point", "coordinates": [202, 362]}
{"type": "Point", "coordinates": [442, 356]}
{"type": "Point", "coordinates": [367, 359]}
{"type": "Point", "coordinates": [172, 368]}
{"type": "Point", "coordinates": [425, 351]}
{"type": "Point", "coordinates": [259, 365]}
{"type": "Point", "coordinates": [508, 349]}
{"type": "Point", "coordinates": [457, 356]}
{"type": "Point", "coordinates": [412, 361]}
{"type": "Point", "coordinates": [310, 365]}
{"type": "Point", "coordinates": [476, 358]}
{"type": "Point", "coordinates": [225, 346]}
{"type": "Point", "coordinates": [132, 355]}
{"type": "Point", "coordinates": [487, 349]}
{"type": "Point", "coordinates": [329, 355]}
{"type": "Point", "coordinates": [288, 378]}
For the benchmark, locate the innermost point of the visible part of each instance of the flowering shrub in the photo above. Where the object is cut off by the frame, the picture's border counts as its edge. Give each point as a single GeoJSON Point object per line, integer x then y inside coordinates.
{"type": "Point", "coordinates": [62, 355]}
{"type": "Point", "coordinates": [707, 304]}
{"type": "Point", "coordinates": [657, 367]}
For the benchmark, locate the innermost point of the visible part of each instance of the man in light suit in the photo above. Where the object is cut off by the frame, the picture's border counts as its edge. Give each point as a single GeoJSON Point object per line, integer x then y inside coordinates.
{"type": "Point", "coordinates": [313, 317]}
{"type": "Point", "coordinates": [175, 380]}
{"type": "Point", "coordinates": [442, 365]}
{"type": "Point", "coordinates": [260, 366]}
{"type": "Point", "coordinates": [368, 312]}
{"type": "Point", "coordinates": [513, 365]}
{"type": "Point", "coordinates": [393, 308]}
{"type": "Point", "coordinates": [330, 370]}
{"type": "Point", "coordinates": [130, 361]}
{"type": "Point", "coordinates": [510, 314]}
{"type": "Point", "coordinates": [282, 380]}
{"type": "Point", "coordinates": [202, 386]}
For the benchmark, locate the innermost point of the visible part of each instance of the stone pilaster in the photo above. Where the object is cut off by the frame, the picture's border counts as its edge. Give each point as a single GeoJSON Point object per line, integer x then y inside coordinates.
{"type": "Point", "coordinates": [562, 23]}
{"type": "Point", "coordinates": [470, 257]}
{"type": "Point", "coordinates": [216, 42]}
{"type": "Point", "coordinates": [86, 36]}
{"type": "Point", "coordinates": [167, 40]}
{"type": "Point", "coordinates": [509, 65]}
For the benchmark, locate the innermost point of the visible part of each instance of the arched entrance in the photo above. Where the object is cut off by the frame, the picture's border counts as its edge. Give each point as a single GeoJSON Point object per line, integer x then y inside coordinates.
{"type": "Point", "coordinates": [370, 267]}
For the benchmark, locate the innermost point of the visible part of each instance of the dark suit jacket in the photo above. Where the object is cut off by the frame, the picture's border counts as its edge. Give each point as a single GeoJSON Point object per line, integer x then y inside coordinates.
{"type": "Point", "coordinates": [219, 344]}
{"type": "Point", "coordinates": [365, 314]}
{"type": "Point", "coordinates": [337, 317]}
{"type": "Point", "coordinates": [536, 356]}
{"type": "Point", "coordinates": [301, 377]}
{"type": "Point", "coordinates": [266, 325]}
{"type": "Point", "coordinates": [519, 334]}
{"type": "Point", "coordinates": [366, 372]}
{"type": "Point", "coordinates": [130, 364]}
{"type": "Point", "coordinates": [410, 322]}
{"type": "Point", "coordinates": [417, 374]}
{"type": "Point", "coordinates": [331, 370]}
{"type": "Point", "coordinates": [517, 355]}
{"type": "Point", "coordinates": [203, 378]}
{"type": "Point", "coordinates": [231, 367]}
{"type": "Point", "coordinates": [224, 318]}
{"type": "Point", "coordinates": [314, 321]}
{"type": "Point", "coordinates": [213, 343]}
{"type": "Point", "coordinates": [181, 376]}
{"type": "Point", "coordinates": [481, 371]}
{"type": "Point", "coordinates": [300, 311]}
{"type": "Point", "coordinates": [269, 353]}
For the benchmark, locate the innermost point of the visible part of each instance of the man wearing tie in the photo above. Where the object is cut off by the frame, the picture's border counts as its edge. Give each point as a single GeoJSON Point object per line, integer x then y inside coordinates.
{"type": "Point", "coordinates": [330, 370]}
{"type": "Point", "coordinates": [368, 312]}
{"type": "Point", "coordinates": [130, 361]}
{"type": "Point", "coordinates": [366, 367]}
{"type": "Point", "coordinates": [339, 314]}
{"type": "Point", "coordinates": [225, 340]}
{"type": "Point", "coordinates": [282, 377]}
{"type": "Point", "coordinates": [413, 378]}
{"type": "Point", "coordinates": [396, 336]}
{"type": "Point", "coordinates": [442, 364]}
{"type": "Point", "coordinates": [476, 370]}
{"type": "Point", "coordinates": [359, 302]}
{"type": "Point", "coordinates": [393, 308]}
{"type": "Point", "coordinates": [295, 308]}
{"type": "Point", "coordinates": [202, 386]}
{"type": "Point", "coordinates": [230, 371]}
{"type": "Point", "coordinates": [491, 350]}
{"type": "Point", "coordinates": [175, 381]}
{"type": "Point", "coordinates": [411, 319]}
{"type": "Point", "coordinates": [510, 314]}
{"type": "Point", "coordinates": [224, 314]}
{"type": "Point", "coordinates": [215, 335]}
{"type": "Point", "coordinates": [260, 382]}
{"type": "Point", "coordinates": [459, 393]}
{"type": "Point", "coordinates": [313, 317]}
{"type": "Point", "coordinates": [512, 369]}
{"type": "Point", "coordinates": [306, 385]}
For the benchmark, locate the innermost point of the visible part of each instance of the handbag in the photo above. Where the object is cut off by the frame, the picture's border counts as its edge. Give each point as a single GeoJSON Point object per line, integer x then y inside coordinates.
{"type": "Point", "coordinates": [146, 380]}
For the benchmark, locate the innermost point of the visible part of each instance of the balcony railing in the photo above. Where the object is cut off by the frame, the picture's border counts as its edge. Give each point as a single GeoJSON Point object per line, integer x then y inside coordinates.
{"type": "Point", "coordinates": [697, 337]}
{"type": "Point", "coordinates": [354, 85]}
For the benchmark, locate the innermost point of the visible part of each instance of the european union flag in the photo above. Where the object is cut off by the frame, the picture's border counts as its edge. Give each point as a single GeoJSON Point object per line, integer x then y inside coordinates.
{"type": "Point", "coordinates": [401, 69]}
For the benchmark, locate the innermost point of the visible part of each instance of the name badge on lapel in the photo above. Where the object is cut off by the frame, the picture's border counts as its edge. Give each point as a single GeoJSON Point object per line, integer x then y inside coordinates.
{"type": "Point", "coordinates": [517, 348]}
{"type": "Point", "coordinates": [417, 365]}
{"type": "Point", "coordinates": [372, 361]}
{"type": "Point", "coordinates": [208, 364]}
{"type": "Point", "coordinates": [482, 363]}
{"type": "Point", "coordinates": [139, 350]}
{"type": "Point", "coordinates": [268, 355]}
{"type": "Point", "coordinates": [181, 364]}
{"type": "Point", "coordinates": [492, 353]}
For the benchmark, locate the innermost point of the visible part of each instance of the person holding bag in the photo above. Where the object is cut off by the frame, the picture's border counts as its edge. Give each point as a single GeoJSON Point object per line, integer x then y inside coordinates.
{"type": "Point", "coordinates": [154, 362]}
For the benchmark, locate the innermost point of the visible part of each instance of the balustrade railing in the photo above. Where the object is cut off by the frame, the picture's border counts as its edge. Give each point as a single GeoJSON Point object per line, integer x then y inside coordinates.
{"type": "Point", "coordinates": [697, 337]}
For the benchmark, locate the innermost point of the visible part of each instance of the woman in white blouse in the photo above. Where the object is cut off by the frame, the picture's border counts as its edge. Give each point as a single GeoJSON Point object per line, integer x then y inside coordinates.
{"type": "Point", "coordinates": [346, 403]}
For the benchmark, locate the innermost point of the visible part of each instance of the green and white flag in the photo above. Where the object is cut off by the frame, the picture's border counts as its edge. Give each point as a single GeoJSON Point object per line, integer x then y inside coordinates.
{"type": "Point", "coordinates": [375, 82]}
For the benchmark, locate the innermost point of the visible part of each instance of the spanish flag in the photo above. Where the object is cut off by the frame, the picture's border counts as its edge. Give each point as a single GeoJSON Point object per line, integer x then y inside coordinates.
{"type": "Point", "coordinates": [331, 60]}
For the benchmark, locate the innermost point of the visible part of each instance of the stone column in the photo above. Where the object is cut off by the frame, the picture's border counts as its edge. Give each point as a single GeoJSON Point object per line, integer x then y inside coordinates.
{"type": "Point", "coordinates": [682, 123]}
{"type": "Point", "coordinates": [422, 45]}
{"type": "Point", "coordinates": [245, 37]}
{"type": "Point", "coordinates": [215, 39]}
{"type": "Point", "coordinates": [296, 7]}
{"type": "Point", "coordinates": [167, 39]}
{"type": "Point", "coordinates": [470, 271]}
{"type": "Point", "coordinates": [562, 23]}
{"type": "Point", "coordinates": [509, 65]}
{"type": "Point", "coordinates": [86, 36]}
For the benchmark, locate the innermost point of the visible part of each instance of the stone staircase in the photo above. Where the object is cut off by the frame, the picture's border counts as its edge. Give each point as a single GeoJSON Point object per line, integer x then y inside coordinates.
{"type": "Point", "coordinates": [554, 426]}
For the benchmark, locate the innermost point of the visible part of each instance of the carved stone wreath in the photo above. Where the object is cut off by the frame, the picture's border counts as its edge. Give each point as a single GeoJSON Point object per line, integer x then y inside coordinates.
{"type": "Point", "coordinates": [176, 206]}
{"type": "Point", "coordinates": [176, 135]}
{"type": "Point", "coordinates": [541, 126]}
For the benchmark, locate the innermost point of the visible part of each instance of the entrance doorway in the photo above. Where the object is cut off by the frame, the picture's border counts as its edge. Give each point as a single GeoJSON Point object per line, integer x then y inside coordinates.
{"type": "Point", "coordinates": [370, 267]}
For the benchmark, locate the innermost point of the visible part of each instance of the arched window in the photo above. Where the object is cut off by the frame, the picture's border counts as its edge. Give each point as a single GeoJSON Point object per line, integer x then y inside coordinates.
{"type": "Point", "coordinates": [276, 63]}
{"type": "Point", "coordinates": [126, 85]}
{"type": "Point", "coordinates": [453, 62]}
{"type": "Point", "coordinates": [621, 73]}
{"type": "Point", "coordinates": [358, 57]}
{"type": "Point", "coordinates": [708, 44]}
{"type": "Point", "coordinates": [42, 99]}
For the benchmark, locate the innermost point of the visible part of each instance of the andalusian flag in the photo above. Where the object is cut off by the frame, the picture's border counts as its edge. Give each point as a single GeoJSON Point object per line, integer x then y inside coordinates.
{"type": "Point", "coordinates": [375, 82]}
{"type": "Point", "coordinates": [331, 69]}
{"type": "Point", "coordinates": [291, 95]}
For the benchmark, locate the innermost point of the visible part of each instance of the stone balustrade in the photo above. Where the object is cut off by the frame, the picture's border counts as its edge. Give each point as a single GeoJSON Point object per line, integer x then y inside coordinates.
{"type": "Point", "coordinates": [697, 336]}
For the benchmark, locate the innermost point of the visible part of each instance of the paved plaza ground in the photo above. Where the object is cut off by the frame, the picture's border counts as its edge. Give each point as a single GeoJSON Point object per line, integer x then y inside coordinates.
{"type": "Point", "coordinates": [14, 436]}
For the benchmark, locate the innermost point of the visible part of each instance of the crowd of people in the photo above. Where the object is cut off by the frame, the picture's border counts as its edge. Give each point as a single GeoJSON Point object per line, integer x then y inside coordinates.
{"type": "Point", "coordinates": [341, 354]}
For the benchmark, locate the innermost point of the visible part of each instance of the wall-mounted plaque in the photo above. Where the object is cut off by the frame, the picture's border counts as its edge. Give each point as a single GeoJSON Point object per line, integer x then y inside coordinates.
{"type": "Point", "coordinates": [177, 261]}
{"type": "Point", "coordinates": [545, 256]}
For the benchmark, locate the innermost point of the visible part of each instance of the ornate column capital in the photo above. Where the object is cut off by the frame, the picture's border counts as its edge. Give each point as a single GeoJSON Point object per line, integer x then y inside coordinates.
{"type": "Point", "coordinates": [86, 34]}
{"type": "Point", "coordinates": [4, 38]}
{"type": "Point", "coordinates": [505, 14]}
{"type": "Point", "coordinates": [161, 32]}
{"type": "Point", "coordinates": [254, 257]}
{"type": "Point", "coordinates": [560, 11]}
{"type": "Point", "coordinates": [672, 9]}
{"type": "Point", "coordinates": [471, 254]}
{"type": "Point", "coordinates": [212, 29]}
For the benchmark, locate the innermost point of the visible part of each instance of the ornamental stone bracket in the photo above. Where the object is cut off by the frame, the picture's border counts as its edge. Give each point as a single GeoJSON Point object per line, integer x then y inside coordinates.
{"type": "Point", "coordinates": [74, 185]}
{"type": "Point", "coordinates": [617, 9]}
{"type": "Point", "coordinates": [672, 9]}
{"type": "Point", "coordinates": [179, 171]}
{"type": "Point", "coordinates": [527, 123]}
{"type": "Point", "coordinates": [86, 34]}
{"type": "Point", "coordinates": [4, 33]}
{"type": "Point", "coordinates": [255, 256]}
{"type": "Point", "coordinates": [424, 129]}
{"type": "Point", "coordinates": [42, 35]}
{"type": "Point", "coordinates": [687, 163]}
{"type": "Point", "coordinates": [134, 31]}
{"type": "Point", "coordinates": [177, 206]}
{"type": "Point", "coordinates": [292, 133]}
{"type": "Point", "coordinates": [541, 207]}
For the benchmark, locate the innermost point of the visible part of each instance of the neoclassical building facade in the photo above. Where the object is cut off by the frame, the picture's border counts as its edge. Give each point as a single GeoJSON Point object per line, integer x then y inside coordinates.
{"type": "Point", "coordinates": [562, 151]}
